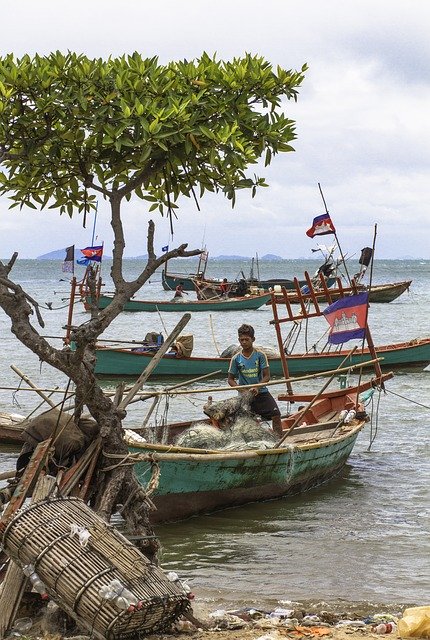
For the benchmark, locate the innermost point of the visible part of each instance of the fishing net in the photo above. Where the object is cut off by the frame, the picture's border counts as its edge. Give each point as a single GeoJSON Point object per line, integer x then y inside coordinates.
{"type": "Point", "coordinates": [238, 429]}
{"type": "Point", "coordinates": [232, 349]}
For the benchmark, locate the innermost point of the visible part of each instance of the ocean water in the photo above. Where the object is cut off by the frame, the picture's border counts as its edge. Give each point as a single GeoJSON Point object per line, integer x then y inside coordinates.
{"type": "Point", "coordinates": [362, 538]}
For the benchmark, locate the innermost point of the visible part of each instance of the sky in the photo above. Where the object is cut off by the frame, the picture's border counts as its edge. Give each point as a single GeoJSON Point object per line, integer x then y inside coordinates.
{"type": "Point", "coordinates": [362, 121]}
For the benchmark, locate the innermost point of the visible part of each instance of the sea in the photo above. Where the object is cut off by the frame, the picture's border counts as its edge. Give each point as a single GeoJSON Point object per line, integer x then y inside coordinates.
{"type": "Point", "coordinates": [362, 539]}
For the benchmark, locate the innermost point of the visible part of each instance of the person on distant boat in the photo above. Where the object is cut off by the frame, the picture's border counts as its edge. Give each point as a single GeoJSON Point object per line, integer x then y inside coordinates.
{"type": "Point", "coordinates": [179, 292]}
{"type": "Point", "coordinates": [224, 288]}
{"type": "Point", "coordinates": [251, 366]}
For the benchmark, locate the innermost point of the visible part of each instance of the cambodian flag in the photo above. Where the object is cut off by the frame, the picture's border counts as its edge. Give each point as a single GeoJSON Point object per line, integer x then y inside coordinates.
{"type": "Point", "coordinates": [93, 253]}
{"type": "Point", "coordinates": [321, 226]}
{"type": "Point", "coordinates": [347, 318]}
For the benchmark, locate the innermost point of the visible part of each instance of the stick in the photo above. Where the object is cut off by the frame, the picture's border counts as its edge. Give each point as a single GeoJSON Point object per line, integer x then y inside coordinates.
{"type": "Point", "coordinates": [314, 399]}
{"type": "Point", "coordinates": [213, 334]}
{"type": "Point", "coordinates": [155, 360]}
{"type": "Point", "coordinates": [33, 386]}
{"type": "Point", "coordinates": [15, 581]}
{"type": "Point", "coordinates": [244, 387]}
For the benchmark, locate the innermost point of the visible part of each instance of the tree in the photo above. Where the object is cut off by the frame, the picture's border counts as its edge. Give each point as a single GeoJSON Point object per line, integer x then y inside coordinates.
{"type": "Point", "coordinates": [73, 129]}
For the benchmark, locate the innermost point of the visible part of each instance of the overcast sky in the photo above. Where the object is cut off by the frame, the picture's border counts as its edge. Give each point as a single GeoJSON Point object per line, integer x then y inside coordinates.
{"type": "Point", "coordinates": [362, 119]}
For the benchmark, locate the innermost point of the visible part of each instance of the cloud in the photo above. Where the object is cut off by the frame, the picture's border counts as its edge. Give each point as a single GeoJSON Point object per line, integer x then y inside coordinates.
{"type": "Point", "coordinates": [361, 118]}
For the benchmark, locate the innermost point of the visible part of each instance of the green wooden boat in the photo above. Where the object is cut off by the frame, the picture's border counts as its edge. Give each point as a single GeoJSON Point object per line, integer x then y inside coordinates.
{"type": "Point", "coordinates": [377, 293]}
{"type": "Point", "coordinates": [244, 303]}
{"type": "Point", "coordinates": [117, 361]}
{"type": "Point", "coordinates": [196, 481]}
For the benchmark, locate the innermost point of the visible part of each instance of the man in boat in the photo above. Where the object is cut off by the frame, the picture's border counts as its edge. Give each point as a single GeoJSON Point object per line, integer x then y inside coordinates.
{"type": "Point", "coordinates": [179, 292]}
{"type": "Point", "coordinates": [224, 288]}
{"type": "Point", "coordinates": [251, 366]}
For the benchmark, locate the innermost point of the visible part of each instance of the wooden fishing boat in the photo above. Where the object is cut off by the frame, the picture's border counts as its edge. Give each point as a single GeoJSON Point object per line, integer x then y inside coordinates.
{"type": "Point", "coordinates": [171, 280]}
{"type": "Point", "coordinates": [316, 445]}
{"type": "Point", "coordinates": [377, 292]}
{"type": "Point", "coordinates": [11, 428]}
{"type": "Point", "coordinates": [117, 361]}
{"type": "Point", "coordinates": [244, 303]}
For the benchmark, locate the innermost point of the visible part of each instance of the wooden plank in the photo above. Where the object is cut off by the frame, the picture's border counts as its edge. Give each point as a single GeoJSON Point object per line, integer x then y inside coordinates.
{"type": "Point", "coordinates": [15, 582]}
{"type": "Point", "coordinates": [32, 470]}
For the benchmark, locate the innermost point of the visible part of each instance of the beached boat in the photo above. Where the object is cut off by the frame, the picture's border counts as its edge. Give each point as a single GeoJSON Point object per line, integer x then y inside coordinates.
{"type": "Point", "coordinates": [245, 303]}
{"type": "Point", "coordinates": [196, 481]}
{"type": "Point", "coordinates": [11, 428]}
{"type": "Point", "coordinates": [377, 292]}
{"type": "Point", "coordinates": [131, 361]}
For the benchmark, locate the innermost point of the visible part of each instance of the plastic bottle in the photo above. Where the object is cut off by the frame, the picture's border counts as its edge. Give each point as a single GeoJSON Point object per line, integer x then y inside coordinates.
{"type": "Point", "coordinates": [349, 416]}
{"type": "Point", "coordinates": [384, 627]}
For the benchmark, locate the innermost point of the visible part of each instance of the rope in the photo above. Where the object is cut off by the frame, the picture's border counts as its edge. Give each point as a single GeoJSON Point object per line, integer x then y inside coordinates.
{"type": "Point", "coordinates": [420, 404]}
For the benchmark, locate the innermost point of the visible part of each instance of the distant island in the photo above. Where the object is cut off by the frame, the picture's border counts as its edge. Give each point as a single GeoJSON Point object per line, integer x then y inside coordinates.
{"type": "Point", "coordinates": [60, 254]}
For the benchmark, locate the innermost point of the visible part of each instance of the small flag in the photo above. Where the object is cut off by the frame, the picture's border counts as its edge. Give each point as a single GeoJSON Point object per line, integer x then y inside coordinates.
{"type": "Point", "coordinates": [321, 226]}
{"type": "Point", "coordinates": [366, 256]}
{"type": "Point", "coordinates": [69, 260]}
{"type": "Point", "coordinates": [347, 318]}
{"type": "Point", "coordinates": [166, 248]}
{"type": "Point", "coordinates": [92, 253]}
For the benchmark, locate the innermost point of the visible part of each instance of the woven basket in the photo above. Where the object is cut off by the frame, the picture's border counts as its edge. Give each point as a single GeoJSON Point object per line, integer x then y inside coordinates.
{"type": "Point", "coordinates": [74, 574]}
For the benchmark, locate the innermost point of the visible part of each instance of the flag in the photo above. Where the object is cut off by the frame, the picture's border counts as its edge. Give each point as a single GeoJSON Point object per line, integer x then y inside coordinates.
{"type": "Point", "coordinates": [321, 226]}
{"type": "Point", "coordinates": [68, 264]}
{"type": "Point", "coordinates": [347, 318]}
{"type": "Point", "coordinates": [164, 249]}
{"type": "Point", "coordinates": [92, 253]}
{"type": "Point", "coordinates": [366, 256]}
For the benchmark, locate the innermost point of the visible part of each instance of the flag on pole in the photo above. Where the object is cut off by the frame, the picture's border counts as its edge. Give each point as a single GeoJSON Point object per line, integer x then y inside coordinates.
{"type": "Point", "coordinates": [347, 318]}
{"type": "Point", "coordinates": [69, 261]}
{"type": "Point", "coordinates": [165, 248]}
{"type": "Point", "coordinates": [91, 253]}
{"type": "Point", "coordinates": [321, 226]}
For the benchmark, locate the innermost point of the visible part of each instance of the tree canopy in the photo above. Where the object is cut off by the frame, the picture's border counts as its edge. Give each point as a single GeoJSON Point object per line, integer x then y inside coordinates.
{"type": "Point", "coordinates": [72, 128]}
{"type": "Point", "coordinates": [70, 125]}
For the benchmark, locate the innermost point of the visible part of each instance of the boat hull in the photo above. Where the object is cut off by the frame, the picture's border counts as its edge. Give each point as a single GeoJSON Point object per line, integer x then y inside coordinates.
{"type": "Point", "coordinates": [202, 483]}
{"type": "Point", "coordinates": [128, 362]}
{"type": "Point", "coordinates": [378, 293]}
{"type": "Point", "coordinates": [171, 280]}
{"type": "Point", "coordinates": [231, 304]}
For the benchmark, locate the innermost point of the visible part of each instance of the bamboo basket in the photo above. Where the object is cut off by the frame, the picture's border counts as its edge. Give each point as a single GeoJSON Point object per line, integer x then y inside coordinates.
{"type": "Point", "coordinates": [73, 574]}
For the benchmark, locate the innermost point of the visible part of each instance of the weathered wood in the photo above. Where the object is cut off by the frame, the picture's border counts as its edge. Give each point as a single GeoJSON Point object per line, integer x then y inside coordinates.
{"type": "Point", "coordinates": [315, 398]}
{"type": "Point", "coordinates": [15, 582]}
{"type": "Point", "coordinates": [155, 360]}
{"type": "Point", "coordinates": [32, 385]}
{"type": "Point", "coordinates": [74, 474]}
{"type": "Point", "coordinates": [32, 470]}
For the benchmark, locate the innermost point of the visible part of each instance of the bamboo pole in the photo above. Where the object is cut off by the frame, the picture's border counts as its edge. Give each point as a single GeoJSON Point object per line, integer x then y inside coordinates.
{"type": "Point", "coordinates": [31, 384]}
{"type": "Point", "coordinates": [155, 360]}
{"type": "Point", "coordinates": [15, 582]}
{"type": "Point", "coordinates": [314, 399]}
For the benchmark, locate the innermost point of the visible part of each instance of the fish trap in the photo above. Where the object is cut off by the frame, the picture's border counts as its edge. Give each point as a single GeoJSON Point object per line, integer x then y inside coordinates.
{"type": "Point", "coordinates": [92, 571]}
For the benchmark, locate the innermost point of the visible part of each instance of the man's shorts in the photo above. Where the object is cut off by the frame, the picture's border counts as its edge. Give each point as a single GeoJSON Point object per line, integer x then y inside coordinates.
{"type": "Point", "coordinates": [265, 406]}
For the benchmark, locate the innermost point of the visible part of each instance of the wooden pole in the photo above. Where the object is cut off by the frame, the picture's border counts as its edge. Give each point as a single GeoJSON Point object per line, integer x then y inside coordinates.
{"type": "Point", "coordinates": [70, 314]}
{"type": "Point", "coordinates": [314, 399]}
{"type": "Point", "coordinates": [155, 360]}
{"type": "Point", "coordinates": [336, 238]}
{"type": "Point", "coordinates": [15, 582]}
{"type": "Point", "coordinates": [32, 385]}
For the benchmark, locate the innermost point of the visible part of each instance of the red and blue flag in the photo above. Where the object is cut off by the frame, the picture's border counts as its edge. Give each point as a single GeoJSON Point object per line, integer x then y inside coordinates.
{"type": "Point", "coordinates": [321, 226]}
{"type": "Point", "coordinates": [93, 253]}
{"type": "Point", "coordinates": [347, 318]}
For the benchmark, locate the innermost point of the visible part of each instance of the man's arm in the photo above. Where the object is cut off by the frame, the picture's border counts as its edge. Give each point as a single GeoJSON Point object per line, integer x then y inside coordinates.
{"type": "Point", "coordinates": [232, 380]}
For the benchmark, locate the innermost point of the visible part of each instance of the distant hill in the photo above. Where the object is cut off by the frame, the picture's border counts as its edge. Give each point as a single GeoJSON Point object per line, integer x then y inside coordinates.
{"type": "Point", "coordinates": [270, 256]}
{"type": "Point", "coordinates": [59, 254]}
